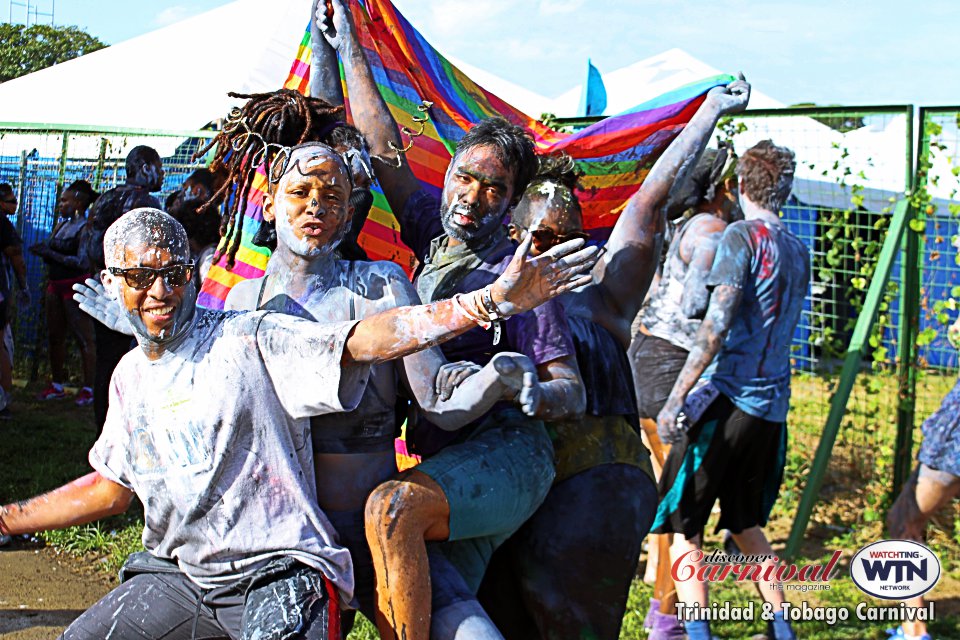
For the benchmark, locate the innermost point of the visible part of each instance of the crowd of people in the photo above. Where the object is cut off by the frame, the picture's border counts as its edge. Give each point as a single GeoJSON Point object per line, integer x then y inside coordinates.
{"type": "Point", "coordinates": [534, 373]}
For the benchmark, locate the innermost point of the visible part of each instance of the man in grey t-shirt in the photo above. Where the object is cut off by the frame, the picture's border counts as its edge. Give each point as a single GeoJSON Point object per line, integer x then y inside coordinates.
{"type": "Point", "coordinates": [209, 427]}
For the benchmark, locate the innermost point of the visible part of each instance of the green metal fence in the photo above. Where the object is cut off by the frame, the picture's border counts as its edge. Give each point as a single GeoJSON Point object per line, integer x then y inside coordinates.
{"type": "Point", "coordinates": [39, 160]}
{"type": "Point", "coordinates": [870, 358]}
{"type": "Point", "coordinates": [853, 166]}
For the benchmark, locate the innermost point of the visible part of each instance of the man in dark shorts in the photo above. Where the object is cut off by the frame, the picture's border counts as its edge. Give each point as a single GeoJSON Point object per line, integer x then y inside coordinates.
{"type": "Point", "coordinates": [477, 486]}
{"type": "Point", "coordinates": [663, 332]}
{"type": "Point", "coordinates": [730, 442]}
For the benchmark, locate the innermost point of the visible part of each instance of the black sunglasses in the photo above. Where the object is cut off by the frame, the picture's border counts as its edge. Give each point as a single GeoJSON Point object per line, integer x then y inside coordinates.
{"type": "Point", "coordinates": [9, 201]}
{"type": "Point", "coordinates": [546, 238]}
{"type": "Point", "coordinates": [141, 278]}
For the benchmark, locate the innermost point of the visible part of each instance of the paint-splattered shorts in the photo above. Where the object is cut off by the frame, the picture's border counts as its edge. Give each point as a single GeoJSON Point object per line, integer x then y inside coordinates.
{"type": "Point", "coordinates": [166, 605]}
{"type": "Point", "coordinates": [728, 455]}
{"type": "Point", "coordinates": [493, 482]}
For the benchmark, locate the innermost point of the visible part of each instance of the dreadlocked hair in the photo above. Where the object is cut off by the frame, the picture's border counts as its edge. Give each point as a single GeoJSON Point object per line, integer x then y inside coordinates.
{"type": "Point", "coordinates": [256, 134]}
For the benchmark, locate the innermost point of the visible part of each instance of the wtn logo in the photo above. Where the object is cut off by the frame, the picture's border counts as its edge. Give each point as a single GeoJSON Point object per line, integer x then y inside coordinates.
{"type": "Point", "coordinates": [895, 569]}
{"type": "Point", "coordinates": [902, 569]}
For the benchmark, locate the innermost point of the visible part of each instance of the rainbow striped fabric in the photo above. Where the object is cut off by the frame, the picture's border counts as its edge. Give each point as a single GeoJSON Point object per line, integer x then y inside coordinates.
{"type": "Point", "coordinates": [615, 154]}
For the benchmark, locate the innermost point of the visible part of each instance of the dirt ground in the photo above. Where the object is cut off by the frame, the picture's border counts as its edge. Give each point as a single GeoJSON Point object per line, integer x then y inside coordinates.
{"type": "Point", "coordinates": [41, 593]}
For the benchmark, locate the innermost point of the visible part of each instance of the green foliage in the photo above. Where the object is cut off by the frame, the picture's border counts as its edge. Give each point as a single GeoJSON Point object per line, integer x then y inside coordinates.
{"type": "Point", "coordinates": [24, 50]}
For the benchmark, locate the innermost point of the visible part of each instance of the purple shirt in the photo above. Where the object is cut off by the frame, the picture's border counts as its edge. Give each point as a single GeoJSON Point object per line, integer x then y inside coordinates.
{"type": "Point", "coordinates": [542, 334]}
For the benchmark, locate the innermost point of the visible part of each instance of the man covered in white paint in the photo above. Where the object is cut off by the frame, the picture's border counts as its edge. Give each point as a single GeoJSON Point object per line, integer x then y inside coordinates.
{"type": "Point", "coordinates": [208, 427]}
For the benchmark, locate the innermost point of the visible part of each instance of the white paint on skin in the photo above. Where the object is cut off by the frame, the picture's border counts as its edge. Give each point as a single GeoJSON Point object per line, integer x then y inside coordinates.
{"type": "Point", "coordinates": [298, 246]}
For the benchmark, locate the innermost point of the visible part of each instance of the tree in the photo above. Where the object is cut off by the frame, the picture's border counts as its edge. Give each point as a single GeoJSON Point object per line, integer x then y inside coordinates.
{"type": "Point", "coordinates": [27, 49]}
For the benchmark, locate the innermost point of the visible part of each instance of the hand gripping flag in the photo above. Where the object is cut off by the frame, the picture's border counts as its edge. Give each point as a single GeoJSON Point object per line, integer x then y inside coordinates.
{"type": "Point", "coordinates": [615, 154]}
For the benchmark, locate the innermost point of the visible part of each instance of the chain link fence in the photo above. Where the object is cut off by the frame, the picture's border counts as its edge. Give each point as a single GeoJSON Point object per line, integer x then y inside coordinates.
{"type": "Point", "coordinates": [39, 161]}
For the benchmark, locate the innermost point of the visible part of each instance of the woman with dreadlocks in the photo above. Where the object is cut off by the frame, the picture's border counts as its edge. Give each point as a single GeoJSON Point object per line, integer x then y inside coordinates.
{"type": "Point", "coordinates": [253, 137]}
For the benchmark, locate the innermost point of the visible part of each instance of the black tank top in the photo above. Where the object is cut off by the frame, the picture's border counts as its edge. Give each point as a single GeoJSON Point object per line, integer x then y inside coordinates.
{"type": "Point", "coordinates": [372, 426]}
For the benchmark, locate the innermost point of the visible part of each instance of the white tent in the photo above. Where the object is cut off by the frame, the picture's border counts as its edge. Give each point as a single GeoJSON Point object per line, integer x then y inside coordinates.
{"type": "Point", "coordinates": [174, 78]}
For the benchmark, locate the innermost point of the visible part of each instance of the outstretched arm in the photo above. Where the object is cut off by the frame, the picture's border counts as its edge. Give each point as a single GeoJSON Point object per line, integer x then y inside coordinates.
{"type": "Point", "coordinates": [525, 284]}
{"type": "Point", "coordinates": [723, 306]}
{"type": "Point", "coordinates": [370, 112]}
{"type": "Point", "coordinates": [324, 68]}
{"type": "Point", "coordinates": [86, 499]}
{"type": "Point", "coordinates": [623, 274]}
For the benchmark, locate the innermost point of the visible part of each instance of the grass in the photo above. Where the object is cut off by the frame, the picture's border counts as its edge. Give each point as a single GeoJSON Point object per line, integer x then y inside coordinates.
{"type": "Point", "coordinates": [46, 446]}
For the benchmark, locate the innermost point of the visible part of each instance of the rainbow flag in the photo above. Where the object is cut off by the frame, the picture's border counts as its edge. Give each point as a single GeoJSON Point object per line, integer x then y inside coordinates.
{"type": "Point", "coordinates": [615, 154]}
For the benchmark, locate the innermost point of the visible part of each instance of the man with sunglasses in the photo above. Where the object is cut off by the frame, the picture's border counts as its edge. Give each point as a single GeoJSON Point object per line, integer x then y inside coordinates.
{"type": "Point", "coordinates": [476, 486]}
{"type": "Point", "coordinates": [209, 427]}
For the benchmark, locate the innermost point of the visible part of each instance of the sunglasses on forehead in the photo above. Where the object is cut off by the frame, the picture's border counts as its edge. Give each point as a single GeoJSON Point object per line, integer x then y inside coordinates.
{"type": "Point", "coordinates": [546, 238]}
{"type": "Point", "coordinates": [141, 278]}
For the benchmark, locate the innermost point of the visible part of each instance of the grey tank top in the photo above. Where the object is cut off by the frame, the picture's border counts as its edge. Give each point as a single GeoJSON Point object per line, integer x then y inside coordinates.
{"type": "Point", "coordinates": [662, 314]}
{"type": "Point", "coordinates": [369, 428]}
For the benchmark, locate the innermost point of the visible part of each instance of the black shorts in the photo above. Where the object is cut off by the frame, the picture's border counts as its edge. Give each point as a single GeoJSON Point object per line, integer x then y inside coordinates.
{"type": "Point", "coordinates": [656, 365]}
{"type": "Point", "coordinates": [729, 455]}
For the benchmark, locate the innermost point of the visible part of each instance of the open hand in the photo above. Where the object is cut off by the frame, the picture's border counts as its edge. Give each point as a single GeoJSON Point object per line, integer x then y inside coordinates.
{"type": "Point", "coordinates": [732, 98]}
{"type": "Point", "coordinates": [94, 301]}
{"type": "Point", "coordinates": [333, 20]}
{"type": "Point", "coordinates": [529, 282]}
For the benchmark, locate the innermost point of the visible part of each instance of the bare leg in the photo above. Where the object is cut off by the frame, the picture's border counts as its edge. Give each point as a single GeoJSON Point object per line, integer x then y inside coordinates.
{"type": "Point", "coordinates": [752, 541]}
{"type": "Point", "coordinates": [690, 591]}
{"type": "Point", "coordinates": [57, 336]}
{"type": "Point", "coordinates": [918, 501]}
{"type": "Point", "coordinates": [82, 326]}
{"type": "Point", "coordinates": [401, 515]}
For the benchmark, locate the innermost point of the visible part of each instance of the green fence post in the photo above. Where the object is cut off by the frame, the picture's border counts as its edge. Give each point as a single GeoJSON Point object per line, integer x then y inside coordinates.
{"type": "Point", "coordinates": [848, 375]}
{"type": "Point", "coordinates": [909, 326]}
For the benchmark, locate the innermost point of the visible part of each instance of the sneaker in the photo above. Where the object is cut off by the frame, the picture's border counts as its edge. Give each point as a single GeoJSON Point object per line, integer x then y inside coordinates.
{"type": "Point", "coordinates": [53, 391]}
{"type": "Point", "coordinates": [665, 626]}
{"type": "Point", "coordinates": [898, 633]}
{"type": "Point", "coordinates": [84, 397]}
{"type": "Point", "coordinates": [648, 619]}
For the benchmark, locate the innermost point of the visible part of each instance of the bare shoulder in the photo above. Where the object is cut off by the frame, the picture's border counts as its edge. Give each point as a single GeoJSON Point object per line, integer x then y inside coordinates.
{"type": "Point", "coordinates": [705, 225]}
{"type": "Point", "coordinates": [243, 295]}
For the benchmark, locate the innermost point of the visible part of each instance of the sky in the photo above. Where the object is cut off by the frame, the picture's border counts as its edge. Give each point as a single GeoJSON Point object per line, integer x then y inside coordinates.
{"type": "Point", "coordinates": [822, 51]}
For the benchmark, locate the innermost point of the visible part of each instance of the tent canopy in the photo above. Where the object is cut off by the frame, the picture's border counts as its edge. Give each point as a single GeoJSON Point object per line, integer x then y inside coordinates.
{"type": "Point", "coordinates": [174, 78]}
